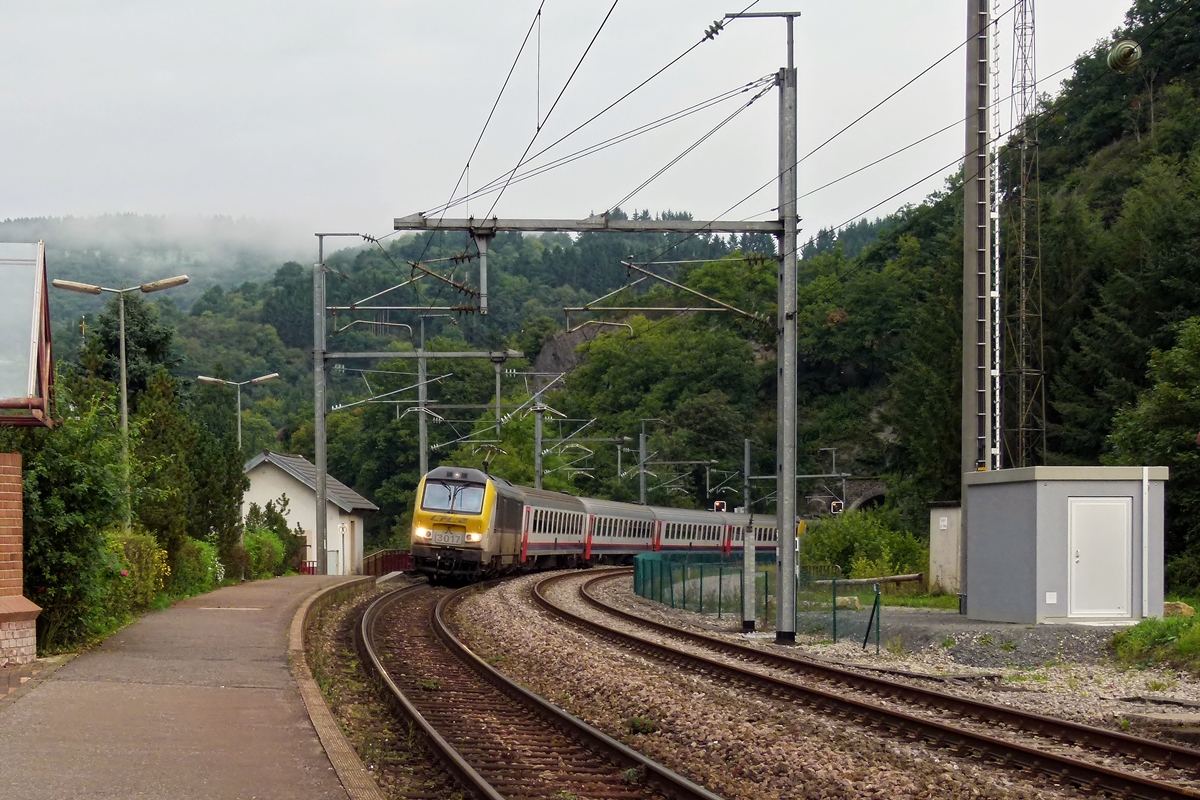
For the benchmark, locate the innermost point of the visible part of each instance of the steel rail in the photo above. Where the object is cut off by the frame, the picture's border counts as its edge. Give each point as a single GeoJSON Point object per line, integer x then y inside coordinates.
{"type": "Point", "coordinates": [443, 750]}
{"type": "Point", "coordinates": [1089, 776]}
{"type": "Point", "coordinates": [655, 776]}
{"type": "Point", "coordinates": [1074, 733]}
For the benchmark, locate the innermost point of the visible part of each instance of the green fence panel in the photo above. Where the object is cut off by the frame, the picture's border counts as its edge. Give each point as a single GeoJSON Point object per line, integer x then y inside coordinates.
{"type": "Point", "coordinates": [825, 607]}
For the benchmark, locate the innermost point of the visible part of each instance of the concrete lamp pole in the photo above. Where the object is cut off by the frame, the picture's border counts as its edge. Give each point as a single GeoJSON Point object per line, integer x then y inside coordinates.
{"type": "Point", "coordinates": [145, 288]}
{"type": "Point", "coordinates": [239, 385]}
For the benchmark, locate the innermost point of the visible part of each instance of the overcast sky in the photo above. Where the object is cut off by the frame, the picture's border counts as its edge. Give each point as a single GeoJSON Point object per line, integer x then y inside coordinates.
{"type": "Point", "coordinates": [341, 116]}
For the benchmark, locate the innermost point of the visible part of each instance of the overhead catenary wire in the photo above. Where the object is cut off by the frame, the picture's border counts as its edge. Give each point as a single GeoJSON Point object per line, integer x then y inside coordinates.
{"type": "Point", "coordinates": [494, 185]}
{"type": "Point", "coordinates": [809, 154]}
{"type": "Point", "coordinates": [709, 35]}
{"type": "Point", "coordinates": [712, 131]}
{"type": "Point", "coordinates": [553, 105]}
{"type": "Point", "coordinates": [466, 167]}
{"type": "Point", "coordinates": [923, 211]}
{"type": "Point", "coordinates": [1053, 108]}
{"type": "Point", "coordinates": [995, 104]}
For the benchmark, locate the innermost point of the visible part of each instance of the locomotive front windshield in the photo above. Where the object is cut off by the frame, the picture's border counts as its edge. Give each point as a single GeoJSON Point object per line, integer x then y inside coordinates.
{"type": "Point", "coordinates": [454, 497]}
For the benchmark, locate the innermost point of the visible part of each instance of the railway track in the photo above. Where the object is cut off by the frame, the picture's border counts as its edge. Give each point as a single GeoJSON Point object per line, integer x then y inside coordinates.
{"type": "Point", "coordinates": [498, 739]}
{"type": "Point", "coordinates": [1087, 775]}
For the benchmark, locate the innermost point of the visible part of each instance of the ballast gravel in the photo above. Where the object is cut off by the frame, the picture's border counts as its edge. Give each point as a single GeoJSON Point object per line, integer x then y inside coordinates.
{"type": "Point", "coordinates": [1057, 670]}
{"type": "Point", "coordinates": [735, 742]}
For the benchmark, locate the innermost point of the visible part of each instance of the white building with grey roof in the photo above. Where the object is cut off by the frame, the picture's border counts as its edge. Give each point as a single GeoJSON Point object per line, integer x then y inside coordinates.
{"type": "Point", "coordinates": [274, 475]}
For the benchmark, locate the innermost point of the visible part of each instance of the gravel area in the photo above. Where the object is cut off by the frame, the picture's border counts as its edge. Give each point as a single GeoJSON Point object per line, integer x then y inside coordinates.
{"type": "Point", "coordinates": [1059, 670]}
{"type": "Point", "coordinates": [736, 742]}
{"type": "Point", "coordinates": [566, 595]}
{"type": "Point", "coordinates": [400, 765]}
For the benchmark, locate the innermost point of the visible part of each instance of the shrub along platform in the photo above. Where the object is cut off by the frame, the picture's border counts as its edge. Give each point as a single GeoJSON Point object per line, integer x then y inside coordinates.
{"type": "Point", "coordinates": [192, 702]}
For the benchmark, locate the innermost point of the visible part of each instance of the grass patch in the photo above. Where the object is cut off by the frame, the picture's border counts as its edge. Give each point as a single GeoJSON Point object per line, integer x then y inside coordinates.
{"type": "Point", "coordinates": [946, 602]}
{"type": "Point", "coordinates": [1021, 677]}
{"type": "Point", "coordinates": [640, 725]}
{"type": "Point", "coordinates": [1174, 641]}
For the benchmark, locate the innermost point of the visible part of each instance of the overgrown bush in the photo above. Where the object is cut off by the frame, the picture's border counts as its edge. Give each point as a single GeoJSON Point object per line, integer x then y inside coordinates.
{"type": "Point", "coordinates": [72, 493]}
{"type": "Point", "coordinates": [264, 554]}
{"type": "Point", "coordinates": [865, 544]}
{"type": "Point", "coordinates": [115, 599]}
{"type": "Point", "coordinates": [148, 569]}
{"type": "Point", "coordinates": [273, 518]}
{"type": "Point", "coordinates": [195, 570]}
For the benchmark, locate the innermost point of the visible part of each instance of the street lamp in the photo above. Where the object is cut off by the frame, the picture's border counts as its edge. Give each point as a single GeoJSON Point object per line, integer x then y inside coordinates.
{"type": "Point", "coordinates": [239, 385]}
{"type": "Point", "coordinates": [145, 288]}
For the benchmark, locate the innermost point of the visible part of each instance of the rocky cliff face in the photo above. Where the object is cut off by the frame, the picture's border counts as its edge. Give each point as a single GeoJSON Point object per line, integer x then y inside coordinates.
{"type": "Point", "coordinates": [558, 352]}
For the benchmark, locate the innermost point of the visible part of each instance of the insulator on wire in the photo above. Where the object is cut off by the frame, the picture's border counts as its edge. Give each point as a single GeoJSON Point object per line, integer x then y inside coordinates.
{"type": "Point", "coordinates": [1124, 55]}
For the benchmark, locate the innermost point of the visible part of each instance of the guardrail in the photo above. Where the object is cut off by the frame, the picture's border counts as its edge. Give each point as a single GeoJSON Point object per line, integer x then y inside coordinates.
{"type": "Point", "coordinates": [382, 562]}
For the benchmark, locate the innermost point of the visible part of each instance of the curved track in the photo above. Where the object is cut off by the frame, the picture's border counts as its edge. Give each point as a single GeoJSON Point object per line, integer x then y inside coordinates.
{"type": "Point", "coordinates": [498, 739]}
{"type": "Point", "coordinates": [1085, 774]}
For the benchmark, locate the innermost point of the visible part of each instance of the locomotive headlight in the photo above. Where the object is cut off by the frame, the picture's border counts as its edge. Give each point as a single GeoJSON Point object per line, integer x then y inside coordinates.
{"type": "Point", "coordinates": [422, 533]}
{"type": "Point", "coordinates": [474, 537]}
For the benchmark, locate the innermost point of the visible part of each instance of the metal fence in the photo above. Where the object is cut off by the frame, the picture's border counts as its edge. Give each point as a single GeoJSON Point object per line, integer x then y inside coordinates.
{"type": "Point", "coordinates": [827, 606]}
{"type": "Point", "coordinates": [383, 562]}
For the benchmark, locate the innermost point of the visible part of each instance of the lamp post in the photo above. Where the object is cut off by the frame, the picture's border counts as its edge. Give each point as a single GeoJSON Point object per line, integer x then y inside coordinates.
{"type": "Point", "coordinates": [239, 385]}
{"type": "Point", "coordinates": [145, 288]}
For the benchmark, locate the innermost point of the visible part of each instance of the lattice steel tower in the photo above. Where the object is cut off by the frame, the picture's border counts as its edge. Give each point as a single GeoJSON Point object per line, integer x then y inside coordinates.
{"type": "Point", "coordinates": [1025, 428]}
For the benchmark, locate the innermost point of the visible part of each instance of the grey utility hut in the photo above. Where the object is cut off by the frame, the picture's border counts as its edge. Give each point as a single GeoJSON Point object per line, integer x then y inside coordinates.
{"type": "Point", "coordinates": [1065, 544]}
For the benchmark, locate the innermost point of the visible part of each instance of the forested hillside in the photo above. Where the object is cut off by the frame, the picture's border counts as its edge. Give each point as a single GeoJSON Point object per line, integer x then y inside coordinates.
{"type": "Point", "coordinates": [879, 338]}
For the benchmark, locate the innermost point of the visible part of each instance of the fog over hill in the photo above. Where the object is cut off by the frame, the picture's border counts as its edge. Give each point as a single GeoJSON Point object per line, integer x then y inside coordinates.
{"type": "Point", "coordinates": [129, 248]}
{"type": "Point", "coordinates": [126, 249]}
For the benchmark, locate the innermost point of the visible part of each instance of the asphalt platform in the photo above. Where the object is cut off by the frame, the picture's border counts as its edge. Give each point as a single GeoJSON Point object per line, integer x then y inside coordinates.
{"type": "Point", "coordinates": [192, 702]}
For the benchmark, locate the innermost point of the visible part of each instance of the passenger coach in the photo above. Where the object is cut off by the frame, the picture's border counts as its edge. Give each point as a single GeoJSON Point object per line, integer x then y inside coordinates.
{"type": "Point", "coordinates": [469, 524]}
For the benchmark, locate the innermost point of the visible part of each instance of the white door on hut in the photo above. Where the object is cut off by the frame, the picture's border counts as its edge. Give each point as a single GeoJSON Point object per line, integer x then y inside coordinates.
{"type": "Point", "coordinates": [1100, 538]}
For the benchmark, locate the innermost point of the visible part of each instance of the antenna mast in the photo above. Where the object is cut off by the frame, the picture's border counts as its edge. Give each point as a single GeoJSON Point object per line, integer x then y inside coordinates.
{"type": "Point", "coordinates": [997, 422]}
{"type": "Point", "coordinates": [1026, 436]}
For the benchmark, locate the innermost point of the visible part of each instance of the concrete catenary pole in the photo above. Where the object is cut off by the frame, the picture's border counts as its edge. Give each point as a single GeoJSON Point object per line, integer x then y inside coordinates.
{"type": "Point", "coordinates": [976, 306]}
{"type": "Point", "coordinates": [498, 365]}
{"type": "Point", "coordinates": [785, 626]}
{"type": "Point", "coordinates": [642, 465]}
{"type": "Point", "coordinates": [539, 412]}
{"type": "Point", "coordinates": [748, 553]}
{"type": "Point", "coordinates": [787, 356]}
{"type": "Point", "coordinates": [321, 534]}
{"type": "Point", "coordinates": [422, 398]}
